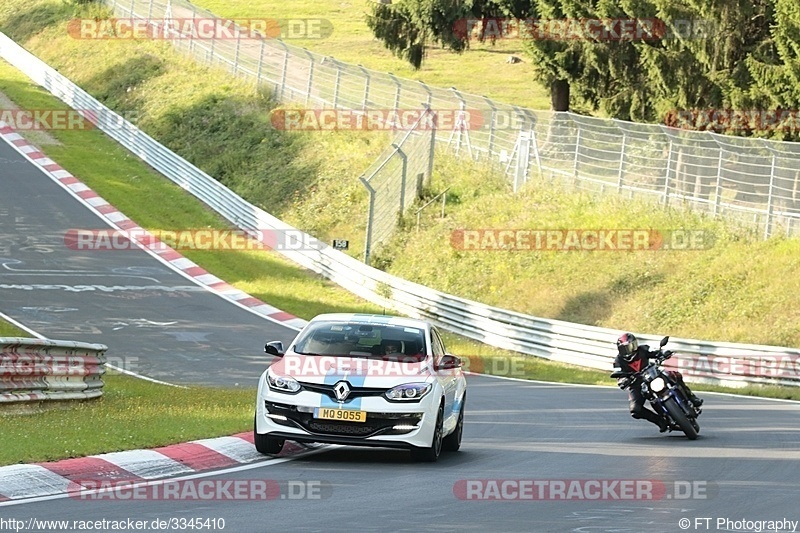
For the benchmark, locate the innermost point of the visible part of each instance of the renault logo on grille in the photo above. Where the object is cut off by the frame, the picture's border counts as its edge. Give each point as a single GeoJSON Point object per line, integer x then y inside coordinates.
{"type": "Point", "coordinates": [341, 390]}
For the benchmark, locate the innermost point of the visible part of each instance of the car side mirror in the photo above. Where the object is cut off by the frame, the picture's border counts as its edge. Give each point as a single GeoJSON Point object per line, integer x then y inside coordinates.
{"type": "Point", "coordinates": [449, 362]}
{"type": "Point", "coordinates": [664, 342]}
{"type": "Point", "coordinates": [274, 348]}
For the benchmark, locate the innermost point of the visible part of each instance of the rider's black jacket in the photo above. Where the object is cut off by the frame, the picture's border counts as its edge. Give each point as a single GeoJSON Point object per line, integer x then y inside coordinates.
{"type": "Point", "coordinates": [640, 359]}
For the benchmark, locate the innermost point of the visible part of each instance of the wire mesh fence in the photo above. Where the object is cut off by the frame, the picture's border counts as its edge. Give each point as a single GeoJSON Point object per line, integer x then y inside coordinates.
{"type": "Point", "coordinates": [397, 178]}
{"type": "Point", "coordinates": [754, 180]}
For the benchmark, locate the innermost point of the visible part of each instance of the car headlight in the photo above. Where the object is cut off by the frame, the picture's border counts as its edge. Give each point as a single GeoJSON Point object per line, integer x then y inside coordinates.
{"type": "Point", "coordinates": [408, 392]}
{"type": "Point", "coordinates": [282, 383]}
{"type": "Point", "coordinates": [657, 385]}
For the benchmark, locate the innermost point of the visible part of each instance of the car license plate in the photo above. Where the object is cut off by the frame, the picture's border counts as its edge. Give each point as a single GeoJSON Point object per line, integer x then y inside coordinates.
{"type": "Point", "coordinates": [345, 415]}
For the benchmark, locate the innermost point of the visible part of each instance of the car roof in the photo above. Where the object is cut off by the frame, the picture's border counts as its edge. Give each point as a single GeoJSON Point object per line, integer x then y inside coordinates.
{"type": "Point", "coordinates": [359, 318]}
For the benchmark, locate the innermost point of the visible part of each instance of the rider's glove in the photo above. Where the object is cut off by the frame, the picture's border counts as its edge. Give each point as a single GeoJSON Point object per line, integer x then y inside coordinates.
{"type": "Point", "coordinates": [623, 383]}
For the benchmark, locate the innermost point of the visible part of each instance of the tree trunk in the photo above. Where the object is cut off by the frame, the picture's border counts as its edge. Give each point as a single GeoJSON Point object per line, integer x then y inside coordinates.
{"type": "Point", "coordinates": [559, 95]}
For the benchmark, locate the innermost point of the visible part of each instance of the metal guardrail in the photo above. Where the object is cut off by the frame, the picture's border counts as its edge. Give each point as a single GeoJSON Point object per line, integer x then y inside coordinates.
{"type": "Point", "coordinates": [33, 370]}
{"type": "Point", "coordinates": [754, 181]}
{"type": "Point", "coordinates": [565, 342]}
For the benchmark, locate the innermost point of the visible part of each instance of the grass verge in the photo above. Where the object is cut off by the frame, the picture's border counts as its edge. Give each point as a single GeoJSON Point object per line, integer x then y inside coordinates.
{"type": "Point", "coordinates": [131, 414]}
{"type": "Point", "coordinates": [10, 330]}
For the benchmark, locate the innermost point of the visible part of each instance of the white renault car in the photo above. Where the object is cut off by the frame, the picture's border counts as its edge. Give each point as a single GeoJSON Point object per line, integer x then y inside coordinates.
{"type": "Point", "coordinates": [364, 380]}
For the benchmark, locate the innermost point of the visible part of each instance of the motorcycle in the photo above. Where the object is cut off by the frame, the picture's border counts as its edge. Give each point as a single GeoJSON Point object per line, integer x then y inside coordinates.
{"type": "Point", "coordinates": [665, 394]}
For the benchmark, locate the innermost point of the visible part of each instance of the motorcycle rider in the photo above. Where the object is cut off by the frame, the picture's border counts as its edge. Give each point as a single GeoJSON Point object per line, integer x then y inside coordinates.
{"type": "Point", "coordinates": [632, 357]}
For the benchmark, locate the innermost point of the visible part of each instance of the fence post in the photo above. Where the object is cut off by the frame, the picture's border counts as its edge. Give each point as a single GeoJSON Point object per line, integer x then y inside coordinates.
{"type": "Point", "coordinates": [284, 70]}
{"type": "Point", "coordinates": [577, 150]}
{"type": "Point", "coordinates": [396, 105]}
{"type": "Point", "coordinates": [490, 147]}
{"type": "Point", "coordinates": [370, 217]}
{"type": "Point", "coordinates": [532, 141]}
{"type": "Point", "coordinates": [523, 159]}
{"type": "Point", "coordinates": [536, 155]}
{"type": "Point", "coordinates": [718, 190]}
{"type": "Point", "coordinates": [457, 124]}
{"type": "Point", "coordinates": [337, 83]}
{"type": "Point", "coordinates": [310, 75]}
{"type": "Point", "coordinates": [166, 29]}
{"type": "Point", "coordinates": [427, 90]}
{"type": "Point", "coordinates": [621, 170]}
{"type": "Point", "coordinates": [260, 61]}
{"type": "Point", "coordinates": [213, 42]}
{"type": "Point", "coordinates": [669, 170]}
{"type": "Point", "coordinates": [404, 157]}
{"type": "Point", "coordinates": [770, 195]}
{"type": "Point", "coordinates": [194, 30]}
{"type": "Point", "coordinates": [432, 148]}
{"type": "Point", "coordinates": [366, 86]}
{"type": "Point", "coordinates": [133, 4]}
{"type": "Point", "coordinates": [236, 53]}
{"type": "Point", "coordinates": [150, 12]}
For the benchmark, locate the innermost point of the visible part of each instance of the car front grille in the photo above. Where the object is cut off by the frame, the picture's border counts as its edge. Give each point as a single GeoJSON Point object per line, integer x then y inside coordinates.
{"type": "Point", "coordinates": [376, 424]}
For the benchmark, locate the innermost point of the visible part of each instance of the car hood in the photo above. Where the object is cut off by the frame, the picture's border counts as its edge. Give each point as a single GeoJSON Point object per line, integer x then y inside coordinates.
{"type": "Point", "coordinates": [359, 371]}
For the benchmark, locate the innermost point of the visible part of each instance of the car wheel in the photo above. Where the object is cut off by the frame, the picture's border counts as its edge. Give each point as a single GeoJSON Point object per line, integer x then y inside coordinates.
{"type": "Point", "coordinates": [266, 444]}
{"type": "Point", "coordinates": [452, 442]}
{"type": "Point", "coordinates": [431, 453]}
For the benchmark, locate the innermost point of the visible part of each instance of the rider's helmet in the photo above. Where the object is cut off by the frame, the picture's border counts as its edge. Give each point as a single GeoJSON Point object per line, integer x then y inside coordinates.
{"type": "Point", "coordinates": [627, 344]}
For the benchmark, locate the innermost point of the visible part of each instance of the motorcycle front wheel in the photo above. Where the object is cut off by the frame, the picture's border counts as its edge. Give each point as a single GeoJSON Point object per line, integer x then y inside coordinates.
{"type": "Point", "coordinates": [680, 418]}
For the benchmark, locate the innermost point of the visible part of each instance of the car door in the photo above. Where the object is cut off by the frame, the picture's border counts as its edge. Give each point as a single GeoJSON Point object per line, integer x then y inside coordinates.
{"type": "Point", "coordinates": [447, 378]}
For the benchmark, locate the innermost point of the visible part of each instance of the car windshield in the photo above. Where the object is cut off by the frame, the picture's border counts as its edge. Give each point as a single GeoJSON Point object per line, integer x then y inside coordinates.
{"type": "Point", "coordinates": [347, 339]}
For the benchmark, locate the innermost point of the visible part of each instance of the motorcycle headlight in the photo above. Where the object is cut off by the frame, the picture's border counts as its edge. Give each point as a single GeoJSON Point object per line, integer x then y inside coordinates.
{"type": "Point", "coordinates": [658, 384]}
{"type": "Point", "coordinates": [282, 383]}
{"type": "Point", "coordinates": [409, 392]}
